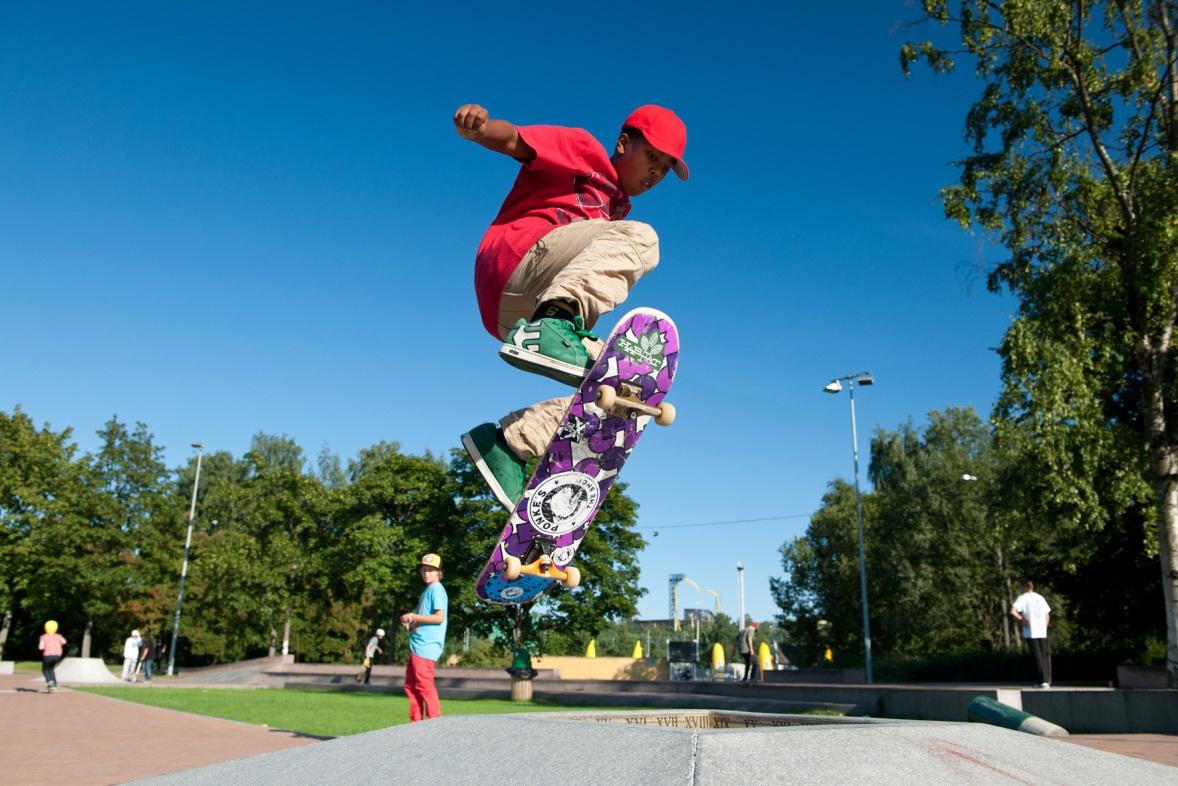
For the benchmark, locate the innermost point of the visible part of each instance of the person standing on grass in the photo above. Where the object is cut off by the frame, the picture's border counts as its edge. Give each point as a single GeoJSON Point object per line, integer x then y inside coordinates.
{"type": "Point", "coordinates": [370, 652]}
{"type": "Point", "coordinates": [427, 636]}
{"type": "Point", "coordinates": [52, 646]}
{"type": "Point", "coordinates": [146, 656]}
{"type": "Point", "coordinates": [130, 656]}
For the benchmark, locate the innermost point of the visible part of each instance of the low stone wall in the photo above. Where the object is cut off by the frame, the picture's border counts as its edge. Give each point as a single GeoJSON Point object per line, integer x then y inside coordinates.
{"type": "Point", "coordinates": [1141, 676]}
{"type": "Point", "coordinates": [579, 668]}
{"type": "Point", "coordinates": [826, 676]}
{"type": "Point", "coordinates": [1106, 711]}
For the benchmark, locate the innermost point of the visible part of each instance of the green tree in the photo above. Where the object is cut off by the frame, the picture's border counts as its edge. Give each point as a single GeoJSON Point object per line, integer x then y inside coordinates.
{"type": "Point", "coordinates": [137, 493]}
{"type": "Point", "coordinates": [217, 508]}
{"type": "Point", "coordinates": [395, 509]}
{"type": "Point", "coordinates": [935, 548]}
{"type": "Point", "coordinates": [819, 596]}
{"type": "Point", "coordinates": [273, 452]}
{"type": "Point", "coordinates": [37, 475]}
{"type": "Point", "coordinates": [88, 555]}
{"type": "Point", "coordinates": [331, 469]}
{"type": "Point", "coordinates": [1073, 168]}
{"type": "Point", "coordinates": [936, 544]}
{"type": "Point", "coordinates": [257, 566]}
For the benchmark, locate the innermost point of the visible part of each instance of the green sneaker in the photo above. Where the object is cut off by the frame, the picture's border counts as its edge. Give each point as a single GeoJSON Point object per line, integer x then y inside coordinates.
{"type": "Point", "coordinates": [550, 347]}
{"type": "Point", "coordinates": [496, 462]}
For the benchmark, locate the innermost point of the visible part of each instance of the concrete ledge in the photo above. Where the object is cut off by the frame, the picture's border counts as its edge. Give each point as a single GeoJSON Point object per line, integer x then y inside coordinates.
{"type": "Point", "coordinates": [1103, 711]}
{"type": "Point", "coordinates": [1080, 710]}
{"type": "Point", "coordinates": [655, 749]}
{"type": "Point", "coordinates": [7, 666]}
{"type": "Point", "coordinates": [827, 676]}
{"type": "Point", "coordinates": [1141, 676]}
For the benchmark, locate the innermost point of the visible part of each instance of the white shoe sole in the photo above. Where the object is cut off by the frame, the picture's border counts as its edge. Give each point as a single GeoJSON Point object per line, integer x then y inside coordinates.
{"type": "Point", "coordinates": [543, 365]}
{"type": "Point", "coordinates": [488, 476]}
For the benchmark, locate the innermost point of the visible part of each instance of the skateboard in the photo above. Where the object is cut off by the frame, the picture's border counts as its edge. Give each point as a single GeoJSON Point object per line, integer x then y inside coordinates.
{"type": "Point", "coordinates": [618, 398]}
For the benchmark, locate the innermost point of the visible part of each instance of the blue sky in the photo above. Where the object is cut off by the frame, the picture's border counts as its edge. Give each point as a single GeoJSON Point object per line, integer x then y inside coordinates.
{"type": "Point", "coordinates": [220, 219]}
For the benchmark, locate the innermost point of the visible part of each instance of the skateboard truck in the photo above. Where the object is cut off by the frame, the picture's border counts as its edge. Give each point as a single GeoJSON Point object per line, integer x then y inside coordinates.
{"type": "Point", "coordinates": [543, 567]}
{"type": "Point", "coordinates": [626, 396]}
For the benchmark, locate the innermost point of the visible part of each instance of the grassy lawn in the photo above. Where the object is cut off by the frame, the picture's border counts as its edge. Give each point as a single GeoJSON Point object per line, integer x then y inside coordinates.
{"type": "Point", "coordinates": [320, 713]}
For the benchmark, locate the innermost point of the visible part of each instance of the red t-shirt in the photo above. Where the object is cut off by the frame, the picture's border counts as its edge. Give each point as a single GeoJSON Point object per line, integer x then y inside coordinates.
{"type": "Point", "coordinates": [571, 179]}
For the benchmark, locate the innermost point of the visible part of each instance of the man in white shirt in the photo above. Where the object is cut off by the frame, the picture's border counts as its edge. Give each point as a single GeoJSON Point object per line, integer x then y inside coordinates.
{"type": "Point", "coordinates": [130, 656]}
{"type": "Point", "coordinates": [1032, 611]}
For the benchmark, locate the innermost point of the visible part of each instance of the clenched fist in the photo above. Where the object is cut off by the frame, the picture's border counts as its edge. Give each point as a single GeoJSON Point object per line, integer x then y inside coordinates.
{"type": "Point", "coordinates": [470, 121]}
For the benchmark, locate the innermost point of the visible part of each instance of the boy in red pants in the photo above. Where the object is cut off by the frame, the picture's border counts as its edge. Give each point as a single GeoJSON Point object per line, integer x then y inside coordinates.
{"type": "Point", "coordinates": [427, 637]}
{"type": "Point", "coordinates": [557, 257]}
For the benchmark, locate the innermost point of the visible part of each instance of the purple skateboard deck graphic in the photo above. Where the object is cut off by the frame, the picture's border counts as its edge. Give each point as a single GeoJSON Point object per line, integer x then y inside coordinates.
{"type": "Point", "coordinates": [639, 361]}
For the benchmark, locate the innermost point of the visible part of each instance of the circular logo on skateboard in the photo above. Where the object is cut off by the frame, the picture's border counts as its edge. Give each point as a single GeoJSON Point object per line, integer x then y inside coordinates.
{"type": "Point", "coordinates": [563, 502]}
{"type": "Point", "coordinates": [510, 593]}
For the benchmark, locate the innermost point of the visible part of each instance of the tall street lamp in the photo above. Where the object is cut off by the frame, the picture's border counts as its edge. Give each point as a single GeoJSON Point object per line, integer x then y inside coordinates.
{"type": "Point", "coordinates": [740, 581]}
{"type": "Point", "coordinates": [184, 566]}
{"type": "Point", "coordinates": [835, 386]}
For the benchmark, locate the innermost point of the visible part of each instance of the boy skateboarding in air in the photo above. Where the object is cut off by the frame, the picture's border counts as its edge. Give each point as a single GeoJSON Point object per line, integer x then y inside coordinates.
{"type": "Point", "coordinates": [557, 256]}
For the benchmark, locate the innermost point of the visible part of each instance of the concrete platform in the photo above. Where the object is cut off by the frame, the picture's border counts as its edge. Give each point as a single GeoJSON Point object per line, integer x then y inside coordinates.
{"type": "Point", "coordinates": [1080, 710]}
{"type": "Point", "coordinates": [654, 749]}
{"type": "Point", "coordinates": [93, 741]}
{"type": "Point", "coordinates": [84, 671]}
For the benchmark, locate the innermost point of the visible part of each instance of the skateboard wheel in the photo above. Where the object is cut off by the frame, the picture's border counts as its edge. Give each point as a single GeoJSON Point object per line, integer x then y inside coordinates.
{"type": "Point", "coordinates": [572, 577]}
{"type": "Point", "coordinates": [606, 396]}
{"type": "Point", "coordinates": [511, 566]}
{"type": "Point", "coordinates": [666, 415]}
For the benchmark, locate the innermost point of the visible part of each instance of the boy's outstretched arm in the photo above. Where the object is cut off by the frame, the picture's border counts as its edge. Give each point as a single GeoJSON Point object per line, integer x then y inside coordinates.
{"type": "Point", "coordinates": [471, 122]}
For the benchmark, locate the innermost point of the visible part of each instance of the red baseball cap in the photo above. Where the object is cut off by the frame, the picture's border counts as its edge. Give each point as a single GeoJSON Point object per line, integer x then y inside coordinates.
{"type": "Point", "coordinates": [664, 130]}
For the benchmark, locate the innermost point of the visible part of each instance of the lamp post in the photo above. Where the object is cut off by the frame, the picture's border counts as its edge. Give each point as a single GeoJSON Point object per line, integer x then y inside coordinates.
{"type": "Point", "coordinates": [740, 582]}
{"type": "Point", "coordinates": [184, 566]}
{"type": "Point", "coordinates": [835, 386]}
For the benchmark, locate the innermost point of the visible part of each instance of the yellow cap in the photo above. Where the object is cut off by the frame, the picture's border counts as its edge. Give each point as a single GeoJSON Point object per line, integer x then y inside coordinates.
{"type": "Point", "coordinates": [432, 560]}
{"type": "Point", "coordinates": [51, 626]}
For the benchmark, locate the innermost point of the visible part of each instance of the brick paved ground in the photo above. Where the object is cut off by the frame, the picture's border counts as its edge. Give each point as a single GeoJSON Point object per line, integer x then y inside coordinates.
{"type": "Point", "coordinates": [1162, 748]}
{"type": "Point", "coordinates": [78, 738]}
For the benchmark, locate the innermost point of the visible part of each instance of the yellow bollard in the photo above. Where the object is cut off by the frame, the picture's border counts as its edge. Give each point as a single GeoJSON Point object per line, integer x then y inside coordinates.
{"type": "Point", "coordinates": [717, 657]}
{"type": "Point", "coordinates": [765, 659]}
{"type": "Point", "coordinates": [637, 650]}
{"type": "Point", "coordinates": [591, 650]}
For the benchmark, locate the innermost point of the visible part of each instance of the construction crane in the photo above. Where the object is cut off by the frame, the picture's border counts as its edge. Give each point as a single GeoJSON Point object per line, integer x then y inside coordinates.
{"type": "Point", "coordinates": [675, 580]}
